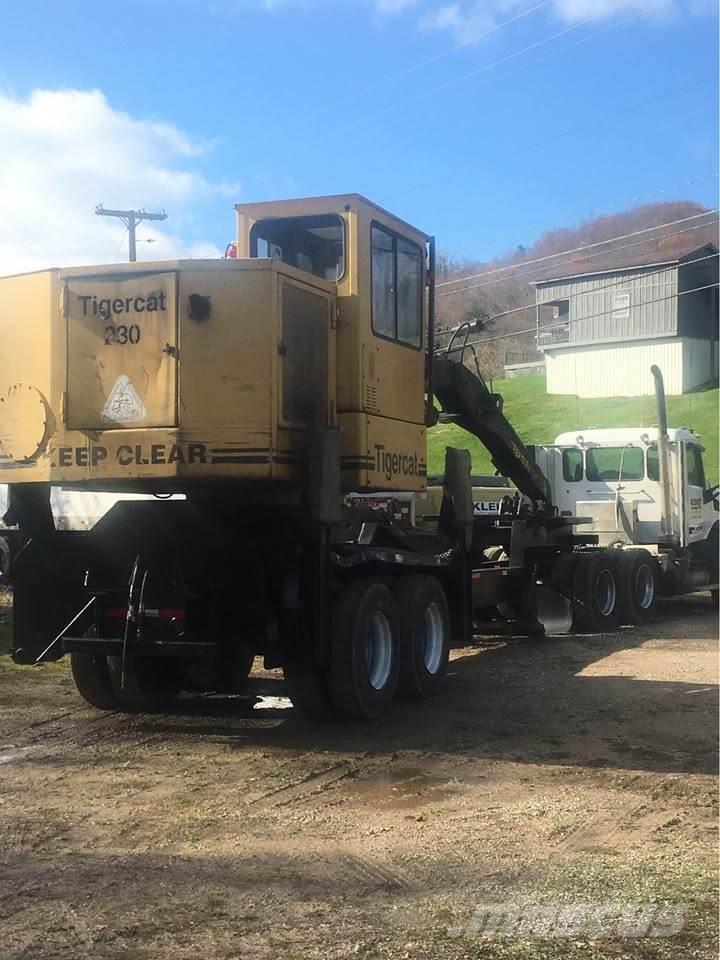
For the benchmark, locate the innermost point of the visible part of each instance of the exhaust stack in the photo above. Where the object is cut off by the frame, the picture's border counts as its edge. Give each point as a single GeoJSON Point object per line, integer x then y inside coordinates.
{"type": "Point", "coordinates": [663, 459]}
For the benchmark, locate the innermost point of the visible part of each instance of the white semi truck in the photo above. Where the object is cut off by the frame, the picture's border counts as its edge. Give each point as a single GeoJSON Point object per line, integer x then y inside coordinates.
{"type": "Point", "coordinates": [646, 492]}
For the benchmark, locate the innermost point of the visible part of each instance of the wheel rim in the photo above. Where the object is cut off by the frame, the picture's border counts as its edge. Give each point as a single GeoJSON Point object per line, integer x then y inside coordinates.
{"type": "Point", "coordinates": [644, 587]}
{"type": "Point", "coordinates": [434, 637]}
{"type": "Point", "coordinates": [605, 593]}
{"type": "Point", "coordinates": [379, 650]}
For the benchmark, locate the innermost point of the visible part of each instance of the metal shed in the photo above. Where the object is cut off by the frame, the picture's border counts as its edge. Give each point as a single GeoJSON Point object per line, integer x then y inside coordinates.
{"type": "Point", "coordinates": [601, 331]}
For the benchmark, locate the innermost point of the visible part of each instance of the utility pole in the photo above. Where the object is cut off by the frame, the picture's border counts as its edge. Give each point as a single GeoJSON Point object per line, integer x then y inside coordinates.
{"type": "Point", "coordinates": [131, 218]}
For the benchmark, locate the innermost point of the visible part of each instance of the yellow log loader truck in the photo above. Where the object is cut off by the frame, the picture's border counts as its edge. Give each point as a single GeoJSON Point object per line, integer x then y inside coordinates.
{"type": "Point", "coordinates": [286, 394]}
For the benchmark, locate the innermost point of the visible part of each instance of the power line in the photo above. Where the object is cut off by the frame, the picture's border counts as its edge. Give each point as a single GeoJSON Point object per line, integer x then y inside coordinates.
{"type": "Point", "coordinates": [605, 286]}
{"type": "Point", "coordinates": [131, 218]}
{"type": "Point", "coordinates": [594, 214]}
{"type": "Point", "coordinates": [562, 323]}
{"type": "Point", "coordinates": [600, 253]}
{"type": "Point", "coordinates": [511, 56]}
{"type": "Point", "coordinates": [565, 253]}
{"type": "Point", "coordinates": [412, 69]}
{"type": "Point", "coordinates": [598, 212]}
{"type": "Point", "coordinates": [560, 136]}
{"type": "Point", "coordinates": [122, 241]}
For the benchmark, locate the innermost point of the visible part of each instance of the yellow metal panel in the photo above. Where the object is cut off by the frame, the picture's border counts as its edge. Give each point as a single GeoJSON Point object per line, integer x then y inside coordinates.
{"type": "Point", "coordinates": [122, 368]}
{"type": "Point", "coordinates": [226, 360]}
{"type": "Point", "coordinates": [381, 454]}
{"type": "Point", "coordinates": [29, 310]}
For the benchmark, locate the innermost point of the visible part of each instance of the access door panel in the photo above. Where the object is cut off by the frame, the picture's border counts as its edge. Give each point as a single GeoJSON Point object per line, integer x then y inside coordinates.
{"type": "Point", "coordinates": [122, 351]}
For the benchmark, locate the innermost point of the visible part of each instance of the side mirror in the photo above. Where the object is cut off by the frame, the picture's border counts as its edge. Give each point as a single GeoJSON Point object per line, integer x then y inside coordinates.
{"type": "Point", "coordinates": [711, 493]}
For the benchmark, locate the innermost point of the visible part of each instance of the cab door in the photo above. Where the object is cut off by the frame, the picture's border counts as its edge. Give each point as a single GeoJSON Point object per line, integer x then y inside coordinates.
{"type": "Point", "coordinates": [695, 528]}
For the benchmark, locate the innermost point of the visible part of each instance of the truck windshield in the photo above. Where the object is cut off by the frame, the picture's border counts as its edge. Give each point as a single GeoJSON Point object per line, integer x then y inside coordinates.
{"type": "Point", "coordinates": [614, 463]}
{"type": "Point", "coordinates": [314, 244]}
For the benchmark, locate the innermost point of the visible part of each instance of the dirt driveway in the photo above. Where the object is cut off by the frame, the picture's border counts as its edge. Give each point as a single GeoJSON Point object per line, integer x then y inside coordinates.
{"type": "Point", "coordinates": [577, 769]}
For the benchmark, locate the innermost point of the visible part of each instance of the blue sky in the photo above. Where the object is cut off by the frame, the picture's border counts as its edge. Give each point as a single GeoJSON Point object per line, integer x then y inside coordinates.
{"type": "Point", "coordinates": [250, 100]}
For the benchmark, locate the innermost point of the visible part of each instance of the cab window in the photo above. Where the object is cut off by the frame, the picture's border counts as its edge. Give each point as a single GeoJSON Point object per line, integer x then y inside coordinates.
{"type": "Point", "coordinates": [695, 472]}
{"type": "Point", "coordinates": [313, 244]}
{"type": "Point", "coordinates": [397, 293]}
{"type": "Point", "coordinates": [653, 464]}
{"type": "Point", "coordinates": [614, 463]}
{"type": "Point", "coordinates": [572, 465]}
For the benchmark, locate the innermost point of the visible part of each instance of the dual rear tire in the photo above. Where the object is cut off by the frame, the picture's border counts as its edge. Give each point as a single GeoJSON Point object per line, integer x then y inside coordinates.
{"type": "Point", "coordinates": [612, 587]}
{"type": "Point", "coordinates": [150, 685]}
{"type": "Point", "coordinates": [386, 640]}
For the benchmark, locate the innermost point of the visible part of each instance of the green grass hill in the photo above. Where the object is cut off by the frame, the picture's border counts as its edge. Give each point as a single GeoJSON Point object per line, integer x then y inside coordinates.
{"type": "Point", "coordinates": [539, 418]}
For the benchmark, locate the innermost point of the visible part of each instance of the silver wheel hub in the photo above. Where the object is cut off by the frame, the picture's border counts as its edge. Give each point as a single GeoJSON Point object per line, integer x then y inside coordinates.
{"type": "Point", "coordinates": [434, 638]}
{"type": "Point", "coordinates": [605, 593]}
{"type": "Point", "coordinates": [379, 650]}
{"type": "Point", "coordinates": [644, 587]}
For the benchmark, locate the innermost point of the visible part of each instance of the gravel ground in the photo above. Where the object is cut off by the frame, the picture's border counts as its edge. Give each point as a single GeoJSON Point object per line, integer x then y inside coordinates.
{"type": "Point", "coordinates": [572, 770]}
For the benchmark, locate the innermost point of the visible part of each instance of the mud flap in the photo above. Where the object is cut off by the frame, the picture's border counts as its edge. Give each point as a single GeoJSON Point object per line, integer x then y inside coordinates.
{"type": "Point", "coordinates": [554, 610]}
{"type": "Point", "coordinates": [48, 591]}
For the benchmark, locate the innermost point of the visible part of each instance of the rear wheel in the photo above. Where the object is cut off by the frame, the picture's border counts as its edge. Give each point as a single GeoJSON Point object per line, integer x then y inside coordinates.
{"type": "Point", "coordinates": [424, 639]}
{"type": "Point", "coordinates": [92, 679]}
{"type": "Point", "coordinates": [595, 592]}
{"type": "Point", "coordinates": [365, 663]}
{"type": "Point", "coordinates": [636, 585]}
{"type": "Point", "coordinates": [151, 683]}
{"type": "Point", "coordinates": [308, 690]}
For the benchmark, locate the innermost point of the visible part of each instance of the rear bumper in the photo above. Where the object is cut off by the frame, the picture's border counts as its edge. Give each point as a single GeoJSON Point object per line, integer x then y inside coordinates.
{"type": "Point", "coordinates": [113, 646]}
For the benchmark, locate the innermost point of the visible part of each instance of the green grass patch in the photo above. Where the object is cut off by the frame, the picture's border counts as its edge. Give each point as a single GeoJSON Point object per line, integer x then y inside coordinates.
{"type": "Point", "coordinates": [539, 417]}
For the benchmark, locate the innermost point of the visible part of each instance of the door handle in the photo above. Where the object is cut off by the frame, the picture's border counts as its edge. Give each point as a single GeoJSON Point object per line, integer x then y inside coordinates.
{"type": "Point", "coordinates": [170, 350]}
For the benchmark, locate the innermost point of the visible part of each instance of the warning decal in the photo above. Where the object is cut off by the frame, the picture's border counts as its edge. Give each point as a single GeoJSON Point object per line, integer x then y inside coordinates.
{"type": "Point", "coordinates": [124, 405]}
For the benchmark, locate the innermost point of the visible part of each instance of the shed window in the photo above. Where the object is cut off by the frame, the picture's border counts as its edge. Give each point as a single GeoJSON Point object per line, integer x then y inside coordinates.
{"type": "Point", "coordinates": [553, 321]}
{"type": "Point", "coordinates": [614, 463]}
{"type": "Point", "coordinates": [397, 294]}
{"type": "Point", "coordinates": [572, 465]}
{"type": "Point", "coordinates": [621, 306]}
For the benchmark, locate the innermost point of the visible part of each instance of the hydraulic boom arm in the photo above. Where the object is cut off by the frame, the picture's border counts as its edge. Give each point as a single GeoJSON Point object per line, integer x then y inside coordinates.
{"type": "Point", "coordinates": [466, 399]}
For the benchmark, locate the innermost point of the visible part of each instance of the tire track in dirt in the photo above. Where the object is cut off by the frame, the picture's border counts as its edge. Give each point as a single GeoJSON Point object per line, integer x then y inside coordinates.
{"type": "Point", "coordinates": [317, 781]}
{"type": "Point", "coordinates": [87, 733]}
{"type": "Point", "coordinates": [375, 874]}
{"type": "Point", "coordinates": [629, 821]}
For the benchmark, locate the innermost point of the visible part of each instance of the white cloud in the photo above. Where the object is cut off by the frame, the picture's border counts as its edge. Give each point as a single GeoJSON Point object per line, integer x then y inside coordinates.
{"type": "Point", "coordinates": [63, 152]}
{"type": "Point", "coordinates": [467, 19]}
{"type": "Point", "coordinates": [462, 20]}
{"type": "Point", "coordinates": [394, 6]}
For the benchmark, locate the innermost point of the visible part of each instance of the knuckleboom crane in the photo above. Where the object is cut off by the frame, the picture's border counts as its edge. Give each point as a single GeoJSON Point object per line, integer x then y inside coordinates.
{"type": "Point", "coordinates": [278, 392]}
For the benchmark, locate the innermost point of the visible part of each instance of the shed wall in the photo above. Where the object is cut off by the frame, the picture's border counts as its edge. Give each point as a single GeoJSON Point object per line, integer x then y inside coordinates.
{"type": "Point", "coordinates": [621, 370]}
{"type": "Point", "coordinates": [699, 362]}
{"type": "Point", "coordinates": [594, 315]}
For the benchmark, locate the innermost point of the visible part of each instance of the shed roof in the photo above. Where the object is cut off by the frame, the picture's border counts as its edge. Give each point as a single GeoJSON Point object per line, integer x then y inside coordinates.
{"type": "Point", "coordinates": [625, 263]}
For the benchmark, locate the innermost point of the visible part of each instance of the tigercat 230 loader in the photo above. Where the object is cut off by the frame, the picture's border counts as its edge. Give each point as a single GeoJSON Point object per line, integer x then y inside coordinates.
{"type": "Point", "coordinates": [286, 394]}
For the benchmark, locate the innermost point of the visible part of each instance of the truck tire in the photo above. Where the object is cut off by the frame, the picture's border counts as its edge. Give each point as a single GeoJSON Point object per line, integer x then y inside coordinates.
{"type": "Point", "coordinates": [595, 592]}
{"type": "Point", "coordinates": [424, 641]}
{"type": "Point", "coordinates": [308, 691]}
{"type": "Point", "coordinates": [636, 586]}
{"type": "Point", "coordinates": [365, 658]}
{"type": "Point", "coordinates": [152, 683]}
{"type": "Point", "coordinates": [92, 679]}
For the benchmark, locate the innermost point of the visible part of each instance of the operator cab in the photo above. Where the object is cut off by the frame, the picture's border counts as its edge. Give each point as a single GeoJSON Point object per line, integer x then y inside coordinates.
{"type": "Point", "coordinates": [379, 265]}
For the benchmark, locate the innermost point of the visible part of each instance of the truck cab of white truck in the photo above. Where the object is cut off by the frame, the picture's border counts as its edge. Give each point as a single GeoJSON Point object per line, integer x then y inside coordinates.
{"type": "Point", "coordinates": [614, 476]}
